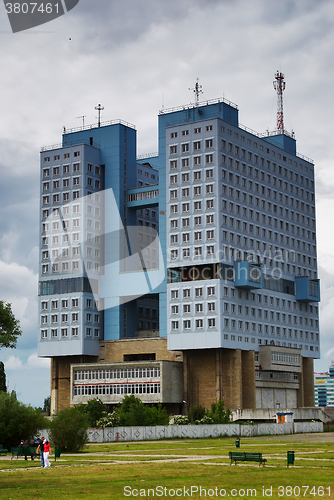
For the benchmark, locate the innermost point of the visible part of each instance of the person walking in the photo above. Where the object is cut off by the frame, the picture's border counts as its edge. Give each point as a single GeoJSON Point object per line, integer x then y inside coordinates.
{"type": "Point", "coordinates": [47, 452]}
{"type": "Point", "coordinates": [40, 448]}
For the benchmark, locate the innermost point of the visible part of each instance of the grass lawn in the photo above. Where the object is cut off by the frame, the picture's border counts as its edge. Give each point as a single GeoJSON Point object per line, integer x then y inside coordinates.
{"type": "Point", "coordinates": [187, 468]}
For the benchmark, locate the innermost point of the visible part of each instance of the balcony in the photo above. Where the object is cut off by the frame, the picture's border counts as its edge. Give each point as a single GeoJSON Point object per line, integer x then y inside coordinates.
{"type": "Point", "coordinates": [247, 275]}
{"type": "Point", "coordinates": [307, 290]}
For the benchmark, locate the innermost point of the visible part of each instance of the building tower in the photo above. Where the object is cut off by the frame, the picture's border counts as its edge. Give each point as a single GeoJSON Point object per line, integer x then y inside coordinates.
{"type": "Point", "coordinates": [223, 307]}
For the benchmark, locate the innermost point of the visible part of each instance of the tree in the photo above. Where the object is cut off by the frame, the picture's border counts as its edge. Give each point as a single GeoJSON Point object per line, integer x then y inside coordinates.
{"type": "Point", "coordinates": [3, 386]}
{"type": "Point", "coordinates": [18, 421]}
{"type": "Point", "coordinates": [46, 406]}
{"type": "Point", "coordinates": [68, 429]}
{"type": "Point", "coordinates": [9, 326]}
{"type": "Point", "coordinates": [94, 410]}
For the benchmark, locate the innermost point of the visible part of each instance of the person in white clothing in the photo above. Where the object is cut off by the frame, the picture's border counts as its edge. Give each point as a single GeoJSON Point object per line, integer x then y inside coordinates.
{"type": "Point", "coordinates": [47, 452]}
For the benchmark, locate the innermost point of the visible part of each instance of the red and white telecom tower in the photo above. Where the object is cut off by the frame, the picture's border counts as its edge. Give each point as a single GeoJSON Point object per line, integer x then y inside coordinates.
{"type": "Point", "coordinates": [279, 86]}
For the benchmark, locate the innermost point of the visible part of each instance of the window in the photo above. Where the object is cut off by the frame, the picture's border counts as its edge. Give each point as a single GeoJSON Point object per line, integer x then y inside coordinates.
{"type": "Point", "coordinates": [186, 308]}
{"type": "Point", "coordinates": [175, 325]}
{"type": "Point", "coordinates": [208, 143]}
{"type": "Point", "coordinates": [199, 323]}
{"type": "Point", "coordinates": [185, 147]}
{"type": "Point", "coordinates": [198, 292]}
{"type": "Point", "coordinates": [173, 150]}
{"type": "Point", "coordinates": [199, 308]}
{"type": "Point", "coordinates": [211, 322]}
{"type": "Point", "coordinates": [209, 158]}
{"type": "Point", "coordinates": [186, 324]}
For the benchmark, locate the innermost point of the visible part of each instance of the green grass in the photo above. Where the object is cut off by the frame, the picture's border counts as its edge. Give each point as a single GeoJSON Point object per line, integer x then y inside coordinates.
{"type": "Point", "coordinates": [102, 471]}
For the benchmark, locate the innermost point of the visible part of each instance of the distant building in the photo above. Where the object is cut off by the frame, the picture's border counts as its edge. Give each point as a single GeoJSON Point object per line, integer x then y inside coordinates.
{"type": "Point", "coordinates": [195, 280]}
{"type": "Point", "coordinates": [324, 387]}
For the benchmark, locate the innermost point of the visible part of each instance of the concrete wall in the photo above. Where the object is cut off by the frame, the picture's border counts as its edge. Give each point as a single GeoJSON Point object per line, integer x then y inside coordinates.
{"type": "Point", "coordinates": [114, 434]}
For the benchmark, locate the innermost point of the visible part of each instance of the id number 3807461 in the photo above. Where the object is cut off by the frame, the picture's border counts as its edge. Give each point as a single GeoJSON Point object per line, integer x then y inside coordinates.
{"type": "Point", "coordinates": [32, 7]}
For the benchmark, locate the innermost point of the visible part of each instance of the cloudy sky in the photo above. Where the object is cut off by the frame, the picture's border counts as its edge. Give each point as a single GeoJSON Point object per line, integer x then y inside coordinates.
{"type": "Point", "coordinates": [133, 57]}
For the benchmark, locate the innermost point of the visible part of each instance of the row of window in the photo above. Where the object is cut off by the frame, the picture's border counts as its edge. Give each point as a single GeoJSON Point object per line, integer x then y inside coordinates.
{"type": "Point", "coordinates": [113, 389]}
{"type": "Point", "coordinates": [65, 318]}
{"type": "Point", "coordinates": [285, 357]}
{"type": "Point", "coordinates": [66, 183]}
{"type": "Point", "coordinates": [65, 304]}
{"type": "Point", "coordinates": [47, 159]}
{"type": "Point", "coordinates": [69, 332]}
{"type": "Point", "coordinates": [197, 236]}
{"type": "Point", "coordinates": [65, 224]}
{"type": "Point", "coordinates": [199, 308]}
{"type": "Point", "coordinates": [65, 267]}
{"type": "Point", "coordinates": [195, 252]}
{"type": "Point", "coordinates": [196, 146]}
{"type": "Point", "coordinates": [61, 254]}
{"type": "Point", "coordinates": [197, 130]}
{"type": "Point", "coordinates": [186, 325]}
{"type": "Point", "coordinates": [112, 373]}
{"type": "Point", "coordinates": [146, 174]}
{"type": "Point", "coordinates": [209, 219]}
{"type": "Point", "coordinates": [66, 239]}
{"type": "Point", "coordinates": [66, 168]}
{"type": "Point", "coordinates": [186, 206]}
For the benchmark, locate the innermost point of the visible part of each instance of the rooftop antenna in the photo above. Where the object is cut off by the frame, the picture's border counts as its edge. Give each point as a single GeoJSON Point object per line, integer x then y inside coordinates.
{"type": "Point", "coordinates": [279, 86]}
{"type": "Point", "coordinates": [197, 91]}
{"type": "Point", "coordinates": [83, 120]}
{"type": "Point", "coordinates": [99, 108]}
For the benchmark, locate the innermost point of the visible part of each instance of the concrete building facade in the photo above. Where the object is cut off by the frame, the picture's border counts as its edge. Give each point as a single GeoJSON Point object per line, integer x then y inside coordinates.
{"type": "Point", "coordinates": [201, 258]}
{"type": "Point", "coordinates": [324, 387]}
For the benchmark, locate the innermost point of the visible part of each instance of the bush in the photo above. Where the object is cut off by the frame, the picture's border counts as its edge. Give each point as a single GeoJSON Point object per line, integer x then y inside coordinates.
{"type": "Point", "coordinates": [108, 420]}
{"type": "Point", "coordinates": [196, 412]}
{"type": "Point", "coordinates": [68, 429]}
{"type": "Point", "coordinates": [18, 421]}
{"type": "Point", "coordinates": [132, 411]}
{"type": "Point", "coordinates": [218, 413]}
{"type": "Point", "coordinates": [181, 420]}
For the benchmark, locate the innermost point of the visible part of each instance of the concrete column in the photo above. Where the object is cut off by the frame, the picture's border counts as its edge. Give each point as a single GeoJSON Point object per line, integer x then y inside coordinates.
{"type": "Point", "coordinates": [308, 379]}
{"type": "Point", "coordinates": [185, 382]}
{"type": "Point", "coordinates": [248, 380]}
{"type": "Point", "coordinates": [232, 378]}
{"type": "Point", "coordinates": [219, 375]}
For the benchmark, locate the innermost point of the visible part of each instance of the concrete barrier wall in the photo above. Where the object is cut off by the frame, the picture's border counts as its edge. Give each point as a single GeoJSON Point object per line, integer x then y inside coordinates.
{"type": "Point", "coordinates": [114, 434]}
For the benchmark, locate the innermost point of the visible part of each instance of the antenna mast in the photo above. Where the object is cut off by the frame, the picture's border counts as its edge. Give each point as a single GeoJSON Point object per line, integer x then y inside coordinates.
{"type": "Point", "coordinates": [197, 91]}
{"type": "Point", "coordinates": [279, 86]}
{"type": "Point", "coordinates": [99, 108]}
{"type": "Point", "coordinates": [83, 120]}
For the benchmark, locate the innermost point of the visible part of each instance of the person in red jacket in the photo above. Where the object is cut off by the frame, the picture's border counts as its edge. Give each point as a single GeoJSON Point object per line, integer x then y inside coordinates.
{"type": "Point", "coordinates": [47, 452]}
